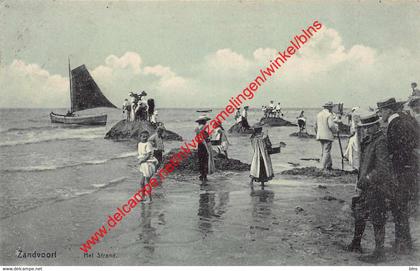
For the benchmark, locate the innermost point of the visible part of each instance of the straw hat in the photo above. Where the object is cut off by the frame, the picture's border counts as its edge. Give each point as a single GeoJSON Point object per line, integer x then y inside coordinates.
{"type": "Point", "coordinates": [202, 118]}
{"type": "Point", "coordinates": [368, 119]}
{"type": "Point", "coordinates": [328, 104]}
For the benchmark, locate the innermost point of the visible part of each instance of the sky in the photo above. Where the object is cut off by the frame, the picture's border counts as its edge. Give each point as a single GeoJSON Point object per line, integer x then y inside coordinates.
{"type": "Point", "coordinates": [200, 53]}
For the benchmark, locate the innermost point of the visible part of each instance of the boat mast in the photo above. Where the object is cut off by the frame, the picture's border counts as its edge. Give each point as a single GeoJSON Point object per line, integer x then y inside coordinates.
{"type": "Point", "coordinates": [71, 89]}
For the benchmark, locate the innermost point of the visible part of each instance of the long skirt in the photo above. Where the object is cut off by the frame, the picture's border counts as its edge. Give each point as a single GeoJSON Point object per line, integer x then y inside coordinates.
{"type": "Point", "coordinates": [203, 160]}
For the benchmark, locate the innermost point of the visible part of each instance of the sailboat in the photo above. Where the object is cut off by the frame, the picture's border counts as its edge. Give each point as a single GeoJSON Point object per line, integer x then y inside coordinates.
{"type": "Point", "coordinates": [84, 94]}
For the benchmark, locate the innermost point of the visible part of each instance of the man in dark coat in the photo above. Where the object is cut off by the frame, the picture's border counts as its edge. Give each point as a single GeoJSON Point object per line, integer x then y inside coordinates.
{"type": "Point", "coordinates": [402, 138]}
{"type": "Point", "coordinates": [373, 187]}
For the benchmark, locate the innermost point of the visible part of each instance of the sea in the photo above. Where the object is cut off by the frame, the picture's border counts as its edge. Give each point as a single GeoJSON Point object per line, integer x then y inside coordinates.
{"type": "Point", "coordinates": [42, 162]}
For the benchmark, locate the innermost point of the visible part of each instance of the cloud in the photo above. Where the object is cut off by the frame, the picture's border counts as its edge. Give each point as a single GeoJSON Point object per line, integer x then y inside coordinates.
{"type": "Point", "coordinates": [227, 61]}
{"type": "Point", "coordinates": [29, 85]}
{"type": "Point", "coordinates": [120, 75]}
{"type": "Point", "coordinates": [323, 69]}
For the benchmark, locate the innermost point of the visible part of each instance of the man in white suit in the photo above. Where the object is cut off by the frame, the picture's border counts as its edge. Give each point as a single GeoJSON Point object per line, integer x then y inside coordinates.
{"type": "Point", "coordinates": [324, 128]}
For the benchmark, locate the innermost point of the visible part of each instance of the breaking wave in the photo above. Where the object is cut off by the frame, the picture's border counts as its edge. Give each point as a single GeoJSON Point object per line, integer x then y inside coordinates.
{"type": "Point", "coordinates": [41, 168]}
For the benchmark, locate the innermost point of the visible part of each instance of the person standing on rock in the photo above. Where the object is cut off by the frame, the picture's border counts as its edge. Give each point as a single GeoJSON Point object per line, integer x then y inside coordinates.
{"type": "Point", "coordinates": [238, 115]}
{"type": "Point", "coordinates": [272, 109]}
{"type": "Point", "coordinates": [244, 117]}
{"type": "Point", "coordinates": [133, 110]}
{"type": "Point", "coordinates": [261, 166]}
{"type": "Point", "coordinates": [373, 186]}
{"type": "Point", "coordinates": [204, 150]}
{"type": "Point", "coordinates": [278, 110]}
{"type": "Point", "coordinates": [301, 122]}
{"type": "Point", "coordinates": [414, 90]}
{"type": "Point", "coordinates": [402, 137]}
{"type": "Point", "coordinates": [126, 108]}
{"type": "Point", "coordinates": [157, 142]}
{"type": "Point", "coordinates": [325, 129]}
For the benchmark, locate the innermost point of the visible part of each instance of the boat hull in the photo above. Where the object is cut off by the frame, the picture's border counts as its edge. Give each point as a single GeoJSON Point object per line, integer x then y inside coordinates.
{"type": "Point", "coordinates": [79, 120]}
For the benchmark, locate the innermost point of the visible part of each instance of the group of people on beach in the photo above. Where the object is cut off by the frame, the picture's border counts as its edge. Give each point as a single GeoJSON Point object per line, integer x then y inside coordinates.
{"type": "Point", "coordinates": [384, 149]}
{"type": "Point", "coordinates": [272, 110]}
{"type": "Point", "coordinates": [242, 117]}
{"type": "Point", "coordinates": [137, 109]}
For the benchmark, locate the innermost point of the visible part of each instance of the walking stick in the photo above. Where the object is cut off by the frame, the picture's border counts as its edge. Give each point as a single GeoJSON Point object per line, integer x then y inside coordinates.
{"type": "Point", "coordinates": [341, 150]}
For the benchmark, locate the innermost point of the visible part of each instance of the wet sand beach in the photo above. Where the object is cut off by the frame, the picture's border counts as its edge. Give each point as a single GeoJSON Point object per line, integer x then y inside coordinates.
{"type": "Point", "coordinates": [57, 193]}
{"type": "Point", "coordinates": [293, 221]}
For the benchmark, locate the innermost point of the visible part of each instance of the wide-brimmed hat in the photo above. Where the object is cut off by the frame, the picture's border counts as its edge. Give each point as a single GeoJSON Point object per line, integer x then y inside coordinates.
{"type": "Point", "coordinates": [328, 104]}
{"type": "Point", "coordinates": [387, 103]}
{"type": "Point", "coordinates": [368, 119]}
{"type": "Point", "coordinates": [202, 118]}
{"type": "Point", "coordinates": [413, 101]}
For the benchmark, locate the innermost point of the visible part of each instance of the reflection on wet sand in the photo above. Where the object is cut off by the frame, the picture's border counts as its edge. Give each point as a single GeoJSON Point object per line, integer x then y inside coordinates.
{"type": "Point", "coordinates": [262, 204]}
{"type": "Point", "coordinates": [148, 235]}
{"type": "Point", "coordinates": [212, 206]}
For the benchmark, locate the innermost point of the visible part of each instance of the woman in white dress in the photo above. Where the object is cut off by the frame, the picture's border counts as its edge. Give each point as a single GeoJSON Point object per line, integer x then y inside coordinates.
{"type": "Point", "coordinates": [147, 162]}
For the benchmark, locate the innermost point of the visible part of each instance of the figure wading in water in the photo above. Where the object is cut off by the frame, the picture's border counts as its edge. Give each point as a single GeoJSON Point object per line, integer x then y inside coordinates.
{"type": "Point", "coordinates": [261, 166]}
{"type": "Point", "coordinates": [147, 162]}
{"type": "Point", "coordinates": [204, 150]}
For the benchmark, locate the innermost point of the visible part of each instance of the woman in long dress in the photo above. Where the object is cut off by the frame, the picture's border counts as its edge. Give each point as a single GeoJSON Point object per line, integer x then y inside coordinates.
{"type": "Point", "coordinates": [261, 166]}
{"type": "Point", "coordinates": [133, 111]}
{"type": "Point", "coordinates": [224, 142]}
{"type": "Point", "coordinates": [353, 151]}
{"type": "Point", "coordinates": [147, 162]}
{"type": "Point", "coordinates": [204, 150]}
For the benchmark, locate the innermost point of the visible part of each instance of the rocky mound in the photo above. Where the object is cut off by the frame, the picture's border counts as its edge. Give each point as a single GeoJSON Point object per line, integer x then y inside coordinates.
{"type": "Point", "coordinates": [317, 172]}
{"type": "Point", "coordinates": [132, 129]}
{"type": "Point", "coordinates": [302, 135]}
{"type": "Point", "coordinates": [270, 121]}
{"type": "Point", "coordinates": [190, 164]}
{"type": "Point", "coordinates": [238, 129]}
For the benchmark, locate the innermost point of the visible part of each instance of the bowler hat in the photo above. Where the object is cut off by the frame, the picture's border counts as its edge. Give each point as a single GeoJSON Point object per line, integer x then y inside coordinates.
{"type": "Point", "coordinates": [368, 119]}
{"type": "Point", "coordinates": [387, 103]}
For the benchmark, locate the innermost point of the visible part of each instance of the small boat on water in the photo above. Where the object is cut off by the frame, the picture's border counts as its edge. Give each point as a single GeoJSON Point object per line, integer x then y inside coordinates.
{"type": "Point", "coordinates": [82, 120]}
{"type": "Point", "coordinates": [84, 94]}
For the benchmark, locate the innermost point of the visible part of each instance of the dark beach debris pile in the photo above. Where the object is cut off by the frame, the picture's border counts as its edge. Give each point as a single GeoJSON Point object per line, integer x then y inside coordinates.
{"type": "Point", "coordinates": [302, 135]}
{"type": "Point", "coordinates": [270, 121]}
{"type": "Point", "coordinates": [238, 129]}
{"type": "Point", "coordinates": [190, 164]}
{"type": "Point", "coordinates": [317, 172]}
{"type": "Point", "coordinates": [132, 129]}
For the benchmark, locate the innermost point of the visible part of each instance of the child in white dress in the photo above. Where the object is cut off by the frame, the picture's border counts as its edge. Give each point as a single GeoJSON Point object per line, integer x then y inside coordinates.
{"type": "Point", "coordinates": [147, 162]}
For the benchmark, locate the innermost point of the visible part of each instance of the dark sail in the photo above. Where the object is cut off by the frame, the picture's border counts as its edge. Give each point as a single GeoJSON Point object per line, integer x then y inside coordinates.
{"type": "Point", "coordinates": [85, 93]}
